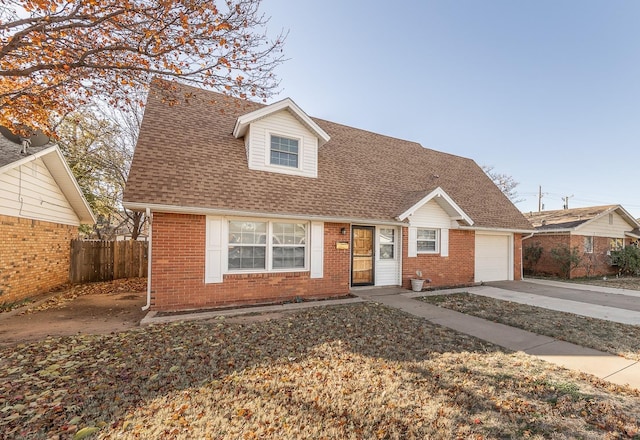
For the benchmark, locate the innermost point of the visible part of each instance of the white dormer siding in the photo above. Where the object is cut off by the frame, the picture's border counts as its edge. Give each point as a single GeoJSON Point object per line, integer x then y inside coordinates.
{"type": "Point", "coordinates": [431, 216]}
{"type": "Point", "coordinates": [282, 124]}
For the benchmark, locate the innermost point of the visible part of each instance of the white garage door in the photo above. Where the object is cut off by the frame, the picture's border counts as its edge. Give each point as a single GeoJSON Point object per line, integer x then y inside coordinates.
{"type": "Point", "coordinates": [493, 258]}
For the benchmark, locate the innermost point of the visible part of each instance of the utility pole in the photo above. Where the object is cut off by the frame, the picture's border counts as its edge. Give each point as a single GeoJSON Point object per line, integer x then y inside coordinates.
{"type": "Point", "coordinates": [540, 205]}
{"type": "Point", "coordinates": [565, 201]}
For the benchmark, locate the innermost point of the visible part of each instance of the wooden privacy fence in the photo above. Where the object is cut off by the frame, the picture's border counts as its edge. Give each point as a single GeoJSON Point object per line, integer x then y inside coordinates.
{"type": "Point", "coordinates": [107, 260]}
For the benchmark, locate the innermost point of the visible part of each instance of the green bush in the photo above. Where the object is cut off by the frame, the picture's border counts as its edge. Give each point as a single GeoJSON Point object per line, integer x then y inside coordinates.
{"type": "Point", "coordinates": [627, 260]}
{"type": "Point", "coordinates": [568, 259]}
{"type": "Point", "coordinates": [532, 254]}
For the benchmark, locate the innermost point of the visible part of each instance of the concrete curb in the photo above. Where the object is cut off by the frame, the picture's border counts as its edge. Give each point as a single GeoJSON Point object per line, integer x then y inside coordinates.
{"type": "Point", "coordinates": [152, 318]}
{"type": "Point", "coordinates": [588, 287]}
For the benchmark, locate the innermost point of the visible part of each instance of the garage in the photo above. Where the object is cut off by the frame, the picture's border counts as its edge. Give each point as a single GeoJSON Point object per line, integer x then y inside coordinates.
{"type": "Point", "coordinates": [494, 257]}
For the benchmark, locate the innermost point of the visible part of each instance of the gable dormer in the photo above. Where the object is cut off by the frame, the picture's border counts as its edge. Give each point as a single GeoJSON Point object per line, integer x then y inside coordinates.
{"type": "Point", "coordinates": [281, 138]}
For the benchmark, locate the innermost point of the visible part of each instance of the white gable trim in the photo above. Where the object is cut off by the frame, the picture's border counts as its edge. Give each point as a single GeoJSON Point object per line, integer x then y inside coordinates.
{"type": "Point", "coordinates": [243, 122]}
{"type": "Point", "coordinates": [445, 202]}
{"type": "Point", "coordinates": [61, 173]}
{"type": "Point", "coordinates": [617, 209]}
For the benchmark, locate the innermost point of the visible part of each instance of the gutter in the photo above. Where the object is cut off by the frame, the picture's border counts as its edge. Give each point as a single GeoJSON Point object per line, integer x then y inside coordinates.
{"type": "Point", "coordinates": [149, 220]}
{"type": "Point", "coordinates": [136, 206]}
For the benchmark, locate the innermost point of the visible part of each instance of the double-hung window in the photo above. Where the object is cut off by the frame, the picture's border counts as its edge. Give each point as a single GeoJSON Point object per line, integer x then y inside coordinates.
{"type": "Point", "coordinates": [588, 244]}
{"type": "Point", "coordinates": [266, 245]}
{"type": "Point", "coordinates": [427, 241]}
{"type": "Point", "coordinates": [284, 151]}
{"type": "Point", "coordinates": [247, 245]}
{"type": "Point", "coordinates": [288, 240]}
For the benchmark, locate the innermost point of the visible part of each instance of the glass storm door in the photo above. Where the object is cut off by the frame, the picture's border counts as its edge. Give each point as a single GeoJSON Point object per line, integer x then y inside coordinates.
{"type": "Point", "coordinates": [362, 256]}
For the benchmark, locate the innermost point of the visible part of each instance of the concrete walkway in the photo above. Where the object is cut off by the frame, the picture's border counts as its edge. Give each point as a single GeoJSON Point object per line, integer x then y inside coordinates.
{"type": "Point", "coordinates": [612, 368]}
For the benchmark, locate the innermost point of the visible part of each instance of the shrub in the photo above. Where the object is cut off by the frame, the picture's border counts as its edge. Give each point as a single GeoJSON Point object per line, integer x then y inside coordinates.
{"type": "Point", "coordinates": [567, 258]}
{"type": "Point", "coordinates": [627, 260]}
{"type": "Point", "coordinates": [532, 254]}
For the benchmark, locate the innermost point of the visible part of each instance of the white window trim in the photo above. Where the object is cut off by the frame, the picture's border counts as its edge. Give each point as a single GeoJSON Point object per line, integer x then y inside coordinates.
{"type": "Point", "coordinates": [268, 134]}
{"type": "Point", "coordinates": [268, 248]}
{"type": "Point", "coordinates": [437, 241]}
{"type": "Point", "coordinates": [394, 243]}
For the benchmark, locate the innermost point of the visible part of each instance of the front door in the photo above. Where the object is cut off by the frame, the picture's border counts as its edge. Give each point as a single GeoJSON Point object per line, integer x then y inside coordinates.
{"type": "Point", "coordinates": [362, 272]}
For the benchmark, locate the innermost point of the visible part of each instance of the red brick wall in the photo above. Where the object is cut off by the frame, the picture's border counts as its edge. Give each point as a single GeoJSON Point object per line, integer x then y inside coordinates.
{"type": "Point", "coordinates": [455, 270]}
{"type": "Point", "coordinates": [597, 261]}
{"type": "Point", "coordinates": [34, 257]}
{"type": "Point", "coordinates": [517, 257]}
{"type": "Point", "coordinates": [178, 266]}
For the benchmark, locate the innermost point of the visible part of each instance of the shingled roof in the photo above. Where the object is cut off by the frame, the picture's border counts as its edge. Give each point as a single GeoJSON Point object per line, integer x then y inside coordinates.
{"type": "Point", "coordinates": [187, 158]}
{"type": "Point", "coordinates": [10, 152]}
{"type": "Point", "coordinates": [571, 218]}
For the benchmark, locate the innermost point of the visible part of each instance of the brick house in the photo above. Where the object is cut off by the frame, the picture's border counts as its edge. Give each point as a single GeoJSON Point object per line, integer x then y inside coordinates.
{"type": "Point", "coordinates": [254, 203]}
{"type": "Point", "coordinates": [594, 231]}
{"type": "Point", "coordinates": [41, 207]}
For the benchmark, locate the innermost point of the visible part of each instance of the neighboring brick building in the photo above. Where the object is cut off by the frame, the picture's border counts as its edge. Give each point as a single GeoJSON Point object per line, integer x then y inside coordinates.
{"type": "Point", "coordinates": [593, 232]}
{"type": "Point", "coordinates": [41, 207]}
{"type": "Point", "coordinates": [257, 204]}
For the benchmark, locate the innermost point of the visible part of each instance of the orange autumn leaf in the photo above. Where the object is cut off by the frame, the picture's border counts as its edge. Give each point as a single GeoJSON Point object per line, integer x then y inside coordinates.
{"type": "Point", "coordinates": [57, 54]}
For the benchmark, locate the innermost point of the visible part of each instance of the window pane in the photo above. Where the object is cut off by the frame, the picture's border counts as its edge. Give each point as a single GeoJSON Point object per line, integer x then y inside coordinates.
{"type": "Point", "coordinates": [426, 246]}
{"type": "Point", "coordinates": [426, 234]}
{"type": "Point", "coordinates": [246, 257]}
{"type": "Point", "coordinates": [284, 151]}
{"type": "Point", "coordinates": [386, 251]}
{"type": "Point", "coordinates": [387, 235]}
{"type": "Point", "coordinates": [289, 233]}
{"type": "Point", "coordinates": [288, 257]}
{"type": "Point", "coordinates": [247, 232]}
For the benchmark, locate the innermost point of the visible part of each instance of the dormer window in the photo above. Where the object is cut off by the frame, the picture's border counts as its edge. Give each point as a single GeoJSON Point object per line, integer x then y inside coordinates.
{"type": "Point", "coordinates": [281, 138]}
{"type": "Point", "coordinates": [284, 151]}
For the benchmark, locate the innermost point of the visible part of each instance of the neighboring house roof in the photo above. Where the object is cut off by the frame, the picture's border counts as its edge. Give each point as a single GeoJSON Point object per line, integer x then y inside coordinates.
{"type": "Point", "coordinates": [570, 219]}
{"type": "Point", "coordinates": [11, 157]}
{"type": "Point", "coordinates": [188, 160]}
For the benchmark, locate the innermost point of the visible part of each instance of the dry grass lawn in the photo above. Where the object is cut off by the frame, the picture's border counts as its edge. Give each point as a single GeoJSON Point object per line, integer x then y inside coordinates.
{"type": "Point", "coordinates": [361, 371]}
{"type": "Point", "coordinates": [612, 337]}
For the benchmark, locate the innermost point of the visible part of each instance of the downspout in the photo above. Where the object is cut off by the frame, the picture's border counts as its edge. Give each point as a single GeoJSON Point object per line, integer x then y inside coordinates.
{"type": "Point", "coordinates": [150, 241]}
{"type": "Point", "coordinates": [522, 255]}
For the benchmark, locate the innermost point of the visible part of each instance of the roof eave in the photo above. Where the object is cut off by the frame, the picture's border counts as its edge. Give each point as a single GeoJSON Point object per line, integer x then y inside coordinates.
{"type": "Point", "coordinates": [59, 169]}
{"type": "Point", "coordinates": [243, 121]}
{"type": "Point", "coordinates": [196, 210]}
{"type": "Point", "coordinates": [498, 229]}
{"type": "Point", "coordinates": [445, 202]}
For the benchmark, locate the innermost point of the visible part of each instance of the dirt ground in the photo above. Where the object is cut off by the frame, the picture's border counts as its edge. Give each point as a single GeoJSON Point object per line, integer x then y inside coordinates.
{"type": "Point", "coordinates": [95, 308]}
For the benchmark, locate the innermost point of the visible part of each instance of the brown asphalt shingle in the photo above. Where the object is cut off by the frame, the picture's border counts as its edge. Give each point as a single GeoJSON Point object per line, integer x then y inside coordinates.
{"type": "Point", "coordinates": [566, 218]}
{"type": "Point", "coordinates": [187, 157]}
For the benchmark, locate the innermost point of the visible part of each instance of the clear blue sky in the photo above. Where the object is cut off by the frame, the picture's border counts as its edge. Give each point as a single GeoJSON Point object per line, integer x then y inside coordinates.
{"type": "Point", "coordinates": [546, 91]}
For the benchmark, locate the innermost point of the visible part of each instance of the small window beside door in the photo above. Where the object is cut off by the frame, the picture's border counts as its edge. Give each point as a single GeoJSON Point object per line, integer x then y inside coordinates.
{"type": "Point", "coordinates": [387, 243]}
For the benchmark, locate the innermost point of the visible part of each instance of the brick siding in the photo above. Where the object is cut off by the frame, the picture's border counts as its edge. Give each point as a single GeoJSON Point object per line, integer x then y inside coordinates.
{"type": "Point", "coordinates": [593, 264]}
{"type": "Point", "coordinates": [178, 268]}
{"type": "Point", "coordinates": [455, 270]}
{"type": "Point", "coordinates": [34, 257]}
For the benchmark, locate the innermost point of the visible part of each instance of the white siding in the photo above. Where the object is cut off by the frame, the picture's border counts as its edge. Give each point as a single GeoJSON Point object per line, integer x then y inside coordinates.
{"type": "Point", "coordinates": [431, 215]}
{"type": "Point", "coordinates": [29, 191]}
{"type": "Point", "coordinates": [602, 228]}
{"type": "Point", "coordinates": [387, 271]}
{"type": "Point", "coordinates": [282, 124]}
